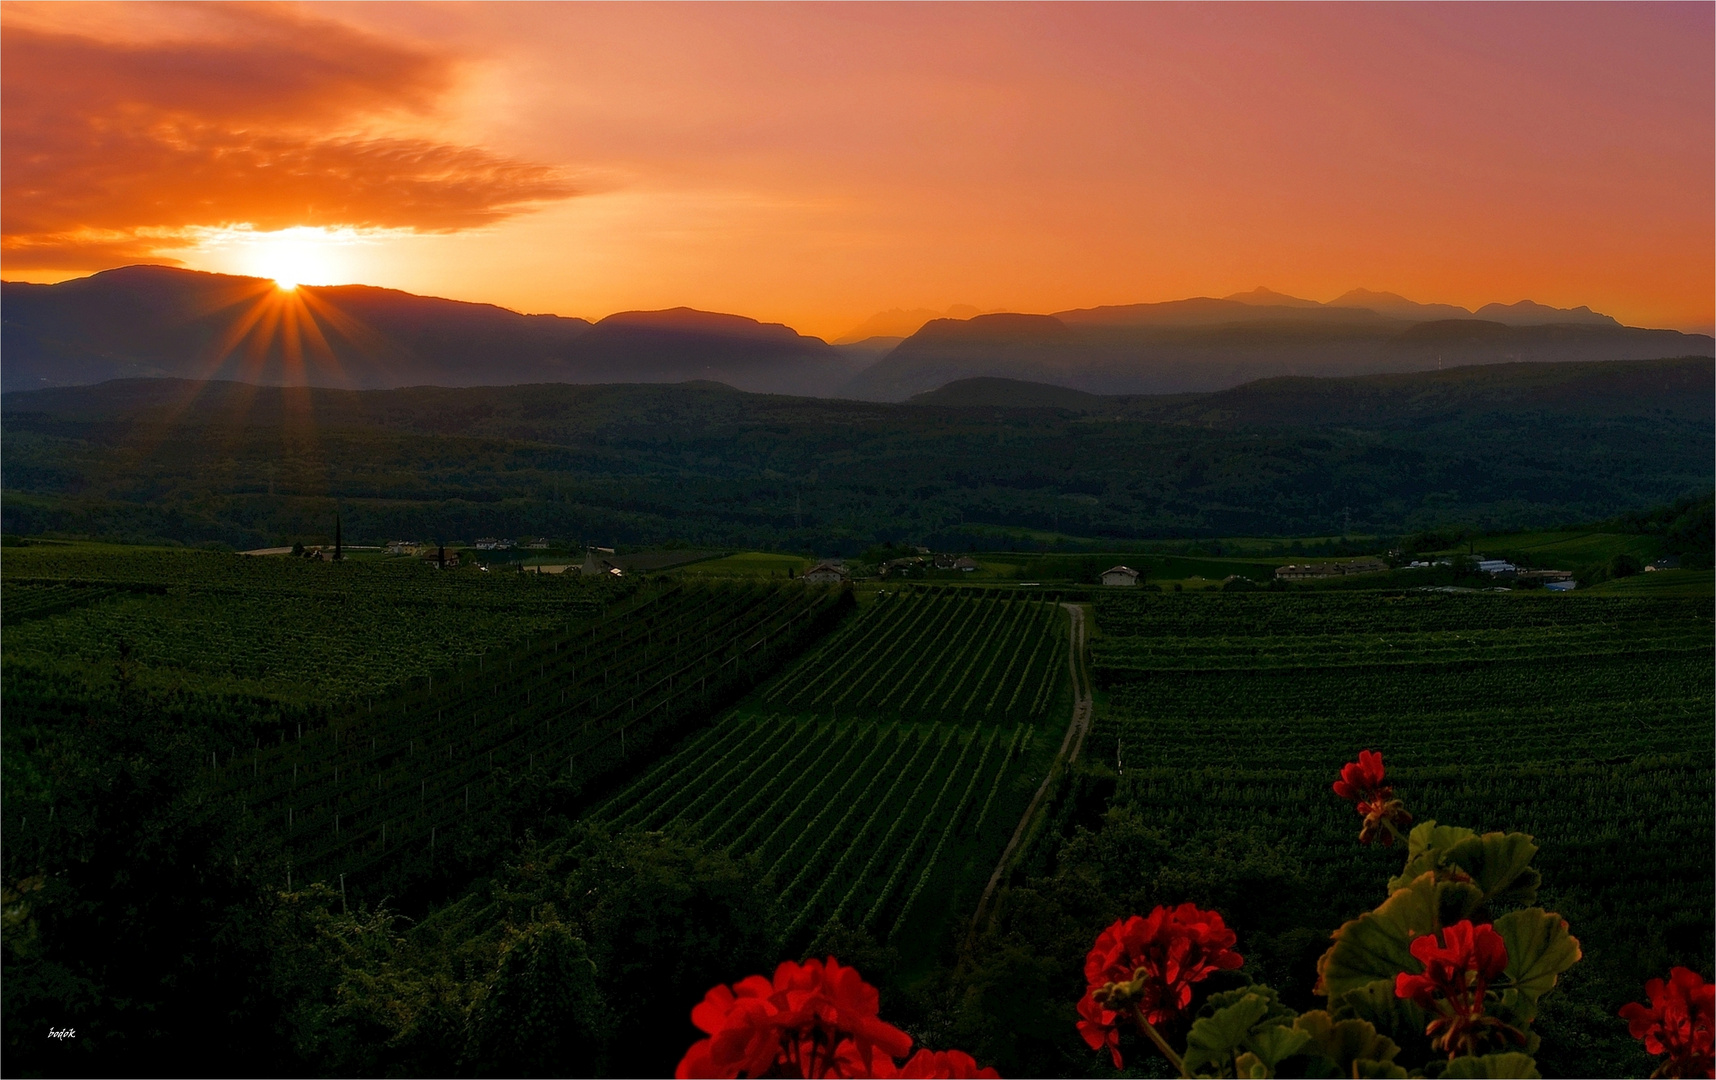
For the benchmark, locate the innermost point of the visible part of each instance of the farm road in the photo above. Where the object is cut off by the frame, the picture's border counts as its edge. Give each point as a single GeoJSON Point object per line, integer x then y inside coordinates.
{"type": "Point", "coordinates": [1071, 744]}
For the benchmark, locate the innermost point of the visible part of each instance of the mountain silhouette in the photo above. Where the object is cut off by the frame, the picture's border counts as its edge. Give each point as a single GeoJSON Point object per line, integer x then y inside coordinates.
{"type": "Point", "coordinates": [1205, 344]}
{"type": "Point", "coordinates": [900, 323]}
{"type": "Point", "coordinates": [157, 321]}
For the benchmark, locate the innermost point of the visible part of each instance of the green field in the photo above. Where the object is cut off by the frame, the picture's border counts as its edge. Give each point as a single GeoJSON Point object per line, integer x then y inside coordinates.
{"type": "Point", "coordinates": [871, 824]}
{"type": "Point", "coordinates": [956, 655]}
{"type": "Point", "coordinates": [857, 759]}
{"type": "Point", "coordinates": [280, 628]}
{"type": "Point", "coordinates": [1572, 550]}
{"type": "Point", "coordinates": [375, 787]}
{"type": "Point", "coordinates": [877, 778]}
{"type": "Point", "coordinates": [1582, 720]}
{"type": "Point", "coordinates": [1661, 583]}
{"type": "Point", "coordinates": [748, 564]}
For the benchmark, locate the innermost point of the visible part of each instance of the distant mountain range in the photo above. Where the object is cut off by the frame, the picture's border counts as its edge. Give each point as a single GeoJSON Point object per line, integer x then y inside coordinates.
{"type": "Point", "coordinates": [153, 321]}
{"type": "Point", "coordinates": [900, 323]}
{"type": "Point", "coordinates": [156, 321]}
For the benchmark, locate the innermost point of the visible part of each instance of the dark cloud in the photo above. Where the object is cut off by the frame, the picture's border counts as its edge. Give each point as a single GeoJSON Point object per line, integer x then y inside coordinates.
{"type": "Point", "coordinates": [113, 148]}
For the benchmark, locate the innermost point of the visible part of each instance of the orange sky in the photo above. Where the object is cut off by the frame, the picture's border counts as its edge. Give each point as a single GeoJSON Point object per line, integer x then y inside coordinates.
{"type": "Point", "coordinates": [814, 164]}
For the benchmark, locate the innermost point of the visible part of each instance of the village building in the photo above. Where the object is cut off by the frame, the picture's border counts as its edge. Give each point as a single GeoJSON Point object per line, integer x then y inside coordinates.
{"type": "Point", "coordinates": [1120, 575]}
{"type": "Point", "coordinates": [965, 564]}
{"type": "Point", "coordinates": [825, 572]}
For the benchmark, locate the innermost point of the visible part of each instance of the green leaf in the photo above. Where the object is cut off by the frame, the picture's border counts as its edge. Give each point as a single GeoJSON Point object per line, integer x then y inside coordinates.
{"type": "Point", "coordinates": [1399, 1020]}
{"type": "Point", "coordinates": [1380, 1070]}
{"type": "Point", "coordinates": [1539, 949]}
{"type": "Point", "coordinates": [1424, 845]}
{"type": "Point", "coordinates": [1377, 944]}
{"type": "Point", "coordinates": [1248, 1027]}
{"type": "Point", "coordinates": [1499, 865]}
{"type": "Point", "coordinates": [1344, 1042]}
{"type": "Point", "coordinates": [1250, 1067]}
{"type": "Point", "coordinates": [1278, 1013]}
{"type": "Point", "coordinates": [1498, 1066]}
{"type": "Point", "coordinates": [1517, 1011]}
{"type": "Point", "coordinates": [1273, 1045]}
{"type": "Point", "coordinates": [1216, 1039]}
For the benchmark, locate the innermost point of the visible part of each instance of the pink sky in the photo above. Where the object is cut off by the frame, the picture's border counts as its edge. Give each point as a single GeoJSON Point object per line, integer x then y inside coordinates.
{"type": "Point", "coordinates": [813, 164]}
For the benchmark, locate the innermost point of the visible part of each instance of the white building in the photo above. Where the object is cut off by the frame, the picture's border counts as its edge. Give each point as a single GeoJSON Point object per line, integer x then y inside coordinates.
{"type": "Point", "coordinates": [1120, 575]}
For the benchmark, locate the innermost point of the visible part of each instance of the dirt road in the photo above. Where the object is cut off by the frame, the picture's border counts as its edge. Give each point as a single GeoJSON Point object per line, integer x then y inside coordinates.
{"type": "Point", "coordinates": [1071, 744]}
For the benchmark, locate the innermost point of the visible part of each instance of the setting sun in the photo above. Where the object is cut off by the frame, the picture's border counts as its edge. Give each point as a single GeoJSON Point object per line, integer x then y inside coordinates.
{"type": "Point", "coordinates": [303, 255]}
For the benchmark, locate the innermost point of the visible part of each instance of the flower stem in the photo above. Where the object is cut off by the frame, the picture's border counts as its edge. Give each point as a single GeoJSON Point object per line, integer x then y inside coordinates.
{"type": "Point", "coordinates": [1149, 1029]}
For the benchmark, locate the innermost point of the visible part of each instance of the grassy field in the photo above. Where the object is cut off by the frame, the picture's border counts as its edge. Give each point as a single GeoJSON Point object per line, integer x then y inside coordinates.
{"type": "Point", "coordinates": [1572, 550]}
{"type": "Point", "coordinates": [748, 564]}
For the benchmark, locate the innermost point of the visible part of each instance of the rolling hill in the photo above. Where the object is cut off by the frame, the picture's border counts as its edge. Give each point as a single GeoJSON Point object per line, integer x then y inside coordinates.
{"type": "Point", "coordinates": [1507, 446]}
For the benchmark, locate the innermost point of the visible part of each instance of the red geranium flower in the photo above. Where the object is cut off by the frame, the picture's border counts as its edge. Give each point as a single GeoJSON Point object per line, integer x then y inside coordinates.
{"type": "Point", "coordinates": [943, 1065]}
{"type": "Point", "coordinates": [813, 1019]}
{"type": "Point", "coordinates": [1360, 778]}
{"type": "Point", "coordinates": [1146, 967]}
{"type": "Point", "coordinates": [1677, 1022]}
{"type": "Point", "coordinates": [1457, 974]}
{"type": "Point", "coordinates": [1362, 782]}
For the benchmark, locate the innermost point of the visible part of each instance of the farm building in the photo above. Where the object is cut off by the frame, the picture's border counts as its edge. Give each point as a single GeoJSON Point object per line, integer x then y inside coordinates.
{"type": "Point", "coordinates": [595, 566]}
{"type": "Point", "coordinates": [825, 572]}
{"type": "Point", "coordinates": [965, 563]}
{"type": "Point", "coordinates": [1497, 566]}
{"type": "Point", "coordinates": [1120, 575]}
{"type": "Point", "coordinates": [1316, 571]}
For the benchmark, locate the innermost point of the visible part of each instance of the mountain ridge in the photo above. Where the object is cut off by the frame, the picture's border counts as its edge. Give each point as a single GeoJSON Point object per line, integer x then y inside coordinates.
{"type": "Point", "coordinates": [153, 321]}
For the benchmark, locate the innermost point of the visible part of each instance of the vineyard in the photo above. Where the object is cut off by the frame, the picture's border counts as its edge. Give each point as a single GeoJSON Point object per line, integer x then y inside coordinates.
{"type": "Point", "coordinates": [1584, 721]}
{"type": "Point", "coordinates": [391, 782]}
{"type": "Point", "coordinates": [877, 779]}
{"type": "Point", "coordinates": [286, 629]}
{"type": "Point", "coordinates": [856, 821]}
{"type": "Point", "coordinates": [946, 655]}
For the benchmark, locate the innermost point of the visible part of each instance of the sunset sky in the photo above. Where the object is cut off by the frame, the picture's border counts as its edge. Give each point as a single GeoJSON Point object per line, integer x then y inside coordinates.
{"type": "Point", "coordinates": [815, 164]}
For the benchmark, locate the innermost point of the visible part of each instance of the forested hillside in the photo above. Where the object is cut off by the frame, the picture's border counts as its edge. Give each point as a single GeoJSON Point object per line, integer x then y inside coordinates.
{"type": "Point", "coordinates": [1499, 447]}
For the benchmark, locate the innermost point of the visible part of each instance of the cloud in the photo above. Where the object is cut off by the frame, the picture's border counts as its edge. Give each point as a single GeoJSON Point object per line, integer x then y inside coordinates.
{"type": "Point", "coordinates": [121, 149]}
